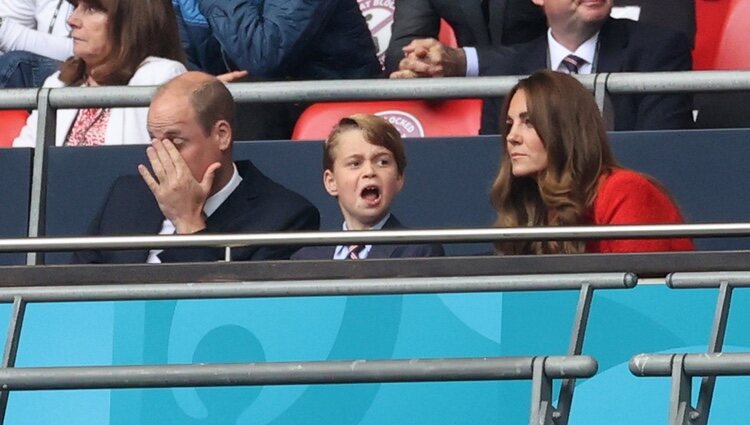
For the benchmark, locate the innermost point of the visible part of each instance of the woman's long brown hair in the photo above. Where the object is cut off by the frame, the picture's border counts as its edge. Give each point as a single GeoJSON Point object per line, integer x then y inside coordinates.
{"type": "Point", "coordinates": [137, 29]}
{"type": "Point", "coordinates": [569, 124]}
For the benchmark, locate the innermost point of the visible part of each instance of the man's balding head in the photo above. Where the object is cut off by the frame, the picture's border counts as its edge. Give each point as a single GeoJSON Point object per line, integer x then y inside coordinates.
{"type": "Point", "coordinates": [210, 99]}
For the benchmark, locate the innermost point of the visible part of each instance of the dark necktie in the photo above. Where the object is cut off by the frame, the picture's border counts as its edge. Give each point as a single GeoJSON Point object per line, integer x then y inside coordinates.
{"type": "Point", "coordinates": [573, 63]}
{"type": "Point", "coordinates": [354, 251]}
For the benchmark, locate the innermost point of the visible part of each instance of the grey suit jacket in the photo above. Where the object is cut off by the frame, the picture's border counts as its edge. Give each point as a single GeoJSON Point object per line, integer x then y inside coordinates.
{"type": "Point", "coordinates": [377, 251]}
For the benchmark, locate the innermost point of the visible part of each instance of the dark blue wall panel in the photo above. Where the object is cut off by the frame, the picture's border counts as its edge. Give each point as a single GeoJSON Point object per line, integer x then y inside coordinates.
{"type": "Point", "coordinates": [15, 181]}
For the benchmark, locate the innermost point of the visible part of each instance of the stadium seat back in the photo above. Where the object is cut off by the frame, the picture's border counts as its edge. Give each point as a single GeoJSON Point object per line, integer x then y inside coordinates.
{"type": "Point", "coordinates": [710, 19]}
{"type": "Point", "coordinates": [447, 36]}
{"type": "Point", "coordinates": [733, 52]}
{"type": "Point", "coordinates": [11, 123]}
{"type": "Point", "coordinates": [459, 117]}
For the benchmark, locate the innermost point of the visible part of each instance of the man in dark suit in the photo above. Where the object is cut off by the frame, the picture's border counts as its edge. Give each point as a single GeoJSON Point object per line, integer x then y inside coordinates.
{"type": "Point", "coordinates": [681, 14]}
{"type": "Point", "coordinates": [474, 22]}
{"type": "Point", "coordinates": [195, 187]}
{"type": "Point", "coordinates": [602, 44]}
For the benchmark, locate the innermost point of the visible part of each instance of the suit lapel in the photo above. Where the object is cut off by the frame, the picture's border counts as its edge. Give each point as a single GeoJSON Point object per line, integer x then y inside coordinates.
{"type": "Point", "coordinates": [474, 16]}
{"type": "Point", "coordinates": [385, 251]}
{"type": "Point", "coordinates": [148, 221]}
{"type": "Point", "coordinates": [238, 201]}
{"type": "Point", "coordinates": [497, 20]}
{"type": "Point", "coordinates": [535, 54]}
{"type": "Point", "coordinates": [613, 40]}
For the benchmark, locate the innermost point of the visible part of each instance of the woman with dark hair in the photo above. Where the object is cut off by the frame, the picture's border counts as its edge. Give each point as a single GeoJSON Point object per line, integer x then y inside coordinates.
{"type": "Point", "coordinates": [558, 170]}
{"type": "Point", "coordinates": [115, 42]}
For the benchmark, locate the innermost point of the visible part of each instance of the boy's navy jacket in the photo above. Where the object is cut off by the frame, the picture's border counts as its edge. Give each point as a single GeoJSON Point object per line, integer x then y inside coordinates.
{"type": "Point", "coordinates": [377, 251]}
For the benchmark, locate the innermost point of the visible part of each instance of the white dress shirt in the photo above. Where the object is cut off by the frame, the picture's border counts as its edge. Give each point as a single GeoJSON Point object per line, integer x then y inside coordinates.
{"type": "Point", "coordinates": [212, 204]}
{"type": "Point", "coordinates": [558, 52]}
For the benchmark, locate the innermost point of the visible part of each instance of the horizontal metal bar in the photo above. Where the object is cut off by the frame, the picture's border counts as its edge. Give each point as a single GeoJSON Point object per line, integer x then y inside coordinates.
{"type": "Point", "coordinates": [384, 89]}
{"type": "Point", "coordinates": [666, 82]}
{"type": "Point", "coordinates": [101, 96]}
{"type": "Point", "coordinates": [291, 373]}
{"type": "Point", "coordinates": [307, 91]}
{"type": "Point", "coordinates": [383, 236]}
{"type": "Point", "coordinates": [702, 364]}
{"type": "Point", "coordinates": [18, 98]}
{"type": "Point", "coordinates": [708, 279]}
{"type": "Point", "coordinates": [305, 288]}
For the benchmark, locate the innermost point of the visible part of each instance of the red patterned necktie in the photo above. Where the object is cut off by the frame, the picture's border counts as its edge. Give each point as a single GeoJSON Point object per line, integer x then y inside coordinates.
{"type": "Point", "coordinates": [354, 251]}
{"type": "Point", "coordinates": [573, 63]}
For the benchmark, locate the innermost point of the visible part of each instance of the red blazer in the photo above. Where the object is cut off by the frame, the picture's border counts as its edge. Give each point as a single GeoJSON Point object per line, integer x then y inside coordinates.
{"type": "Point", "coordinates": [626, 197]}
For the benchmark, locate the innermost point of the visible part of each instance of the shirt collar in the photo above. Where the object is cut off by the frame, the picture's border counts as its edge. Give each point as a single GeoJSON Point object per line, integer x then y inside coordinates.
{"type": "Point", "coordinates": [214, 201]}
{"type": "Point", "coordinates": [377, 226]}
{"type": "Point", "coordinates": [558, 52]}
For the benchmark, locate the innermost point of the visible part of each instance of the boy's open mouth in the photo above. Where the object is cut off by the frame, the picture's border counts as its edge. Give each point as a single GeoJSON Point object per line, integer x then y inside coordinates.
{"type": "Point", "coordinates": [371, 194]}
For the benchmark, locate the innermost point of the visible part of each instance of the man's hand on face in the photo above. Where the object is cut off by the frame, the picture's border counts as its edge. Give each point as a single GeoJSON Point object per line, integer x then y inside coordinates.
{"type": "Point", "coordinates": [430, 58]}
{"type": "Point", "coordinates": [180, 197]}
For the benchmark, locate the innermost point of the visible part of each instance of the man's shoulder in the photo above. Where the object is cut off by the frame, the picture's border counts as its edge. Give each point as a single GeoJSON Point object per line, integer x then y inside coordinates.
{"type": "Point", "coordinates": [126, 190]}
{"type": "Point", "coordinates": [637, 31]}
{"type": "Point", "coordinates": [269, 191]}
{"type": "Point", "coordinates": [314, 253]}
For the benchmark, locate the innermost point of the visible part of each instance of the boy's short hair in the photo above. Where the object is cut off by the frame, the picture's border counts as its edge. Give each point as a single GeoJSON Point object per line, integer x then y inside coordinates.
{"type": "Point", "coordinates": [375, 130]}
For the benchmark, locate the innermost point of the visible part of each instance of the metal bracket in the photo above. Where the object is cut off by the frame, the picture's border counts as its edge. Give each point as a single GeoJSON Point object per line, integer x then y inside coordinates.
{"type": "Point", "coordinates": [541, 395]}
{"type": "Point", "coordinates": [681, 411]}
{"type": "Point", "coordinates": [601, 96]}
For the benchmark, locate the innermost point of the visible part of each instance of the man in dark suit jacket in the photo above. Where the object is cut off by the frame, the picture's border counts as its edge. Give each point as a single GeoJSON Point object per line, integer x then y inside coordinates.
{"type": "Point", "coordinates": [623, 46]}
{"type": "Point", "coordinates": [195, 187]}
{"type": "Point", "coordinates": [474, 22]}
{"type": "Point", "coordinates": [614, 46]}
{"type": "Point", "coordinates": [377, 251]}
{"type": "Point", "coordinates": [681, 14]}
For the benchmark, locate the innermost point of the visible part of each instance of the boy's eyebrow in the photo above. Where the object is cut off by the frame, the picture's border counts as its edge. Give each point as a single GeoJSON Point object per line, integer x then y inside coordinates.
{"type": "Point", "coordinates": [354, 155]}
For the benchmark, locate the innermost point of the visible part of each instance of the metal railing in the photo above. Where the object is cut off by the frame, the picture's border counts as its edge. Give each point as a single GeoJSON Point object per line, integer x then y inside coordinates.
{"type": "Point", "coordinates": [230, 241]}
{"type": "Point", "coordinates": [47, 101]}
{"type": "Point", "coordinates": [682, 367]}
{"type": "Point", "coordinates": [541, 370]}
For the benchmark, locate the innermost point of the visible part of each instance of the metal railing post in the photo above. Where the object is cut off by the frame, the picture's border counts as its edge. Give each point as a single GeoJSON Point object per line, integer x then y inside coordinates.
{"type": "Point", "coordinates": [541, 395]}
{"type": "Point", "coordinates": [718, 331]}
{"type": "Point", "coordinates": [681, 410]}
{"type": "Point", "coordinates": [565, 399]}
{"type": "Point", "coordinates": [45, 137]}
{"type": "Point", "coordinates": [12, 339]}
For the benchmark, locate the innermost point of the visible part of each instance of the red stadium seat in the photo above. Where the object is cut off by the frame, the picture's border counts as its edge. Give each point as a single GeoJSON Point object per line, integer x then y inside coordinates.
{"type": "Point", "coordinates": [459, 117]}
{"type": "Point", "coordinates": [733, 51]}
{"type": "Point", "coordinates": [446, 35]}
{"type": "Point", "coordinates": [11, 123]}
{"type": "Point", "coordinates": [710, 16]}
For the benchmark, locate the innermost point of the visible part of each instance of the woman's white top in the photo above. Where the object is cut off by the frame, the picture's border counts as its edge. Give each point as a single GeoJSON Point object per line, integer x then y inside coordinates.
{"type": "Point", "coordinates": [126, 126]}
{"type": "Point", "coordinates": [36, 26]}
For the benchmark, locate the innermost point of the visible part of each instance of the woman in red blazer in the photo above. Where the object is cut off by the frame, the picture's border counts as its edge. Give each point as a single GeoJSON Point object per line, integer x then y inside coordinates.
{"type": "Point", "coordinates": [558, 170]}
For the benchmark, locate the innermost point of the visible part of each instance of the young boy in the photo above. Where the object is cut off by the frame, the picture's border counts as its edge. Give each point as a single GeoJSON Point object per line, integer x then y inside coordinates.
{"type": "Point", "coordinates": [363, 163]}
